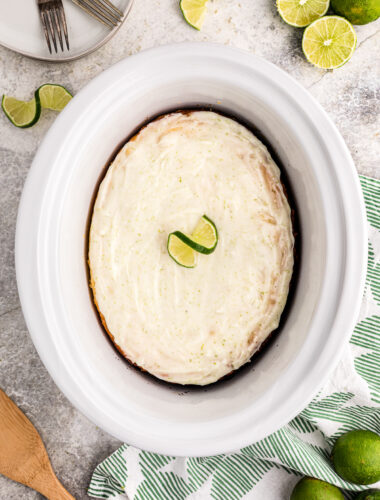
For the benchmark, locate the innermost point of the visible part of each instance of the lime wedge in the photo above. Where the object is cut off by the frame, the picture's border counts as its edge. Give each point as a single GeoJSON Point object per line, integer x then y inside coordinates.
{"type": "Point", "coordinates": [301, 13]}
{"type": "Point", "coordinates": [204, 237]}
{"type": "Point", "coordinates": [180, 252]}
{"type": "Point", "coordinates": [194, 12]}
{"type": "Point", "coordinates": [22, 114]}
{"type": "Point", "coordinates": [53, 96]}
{"type": "Point", "coordinates": [329, 42]}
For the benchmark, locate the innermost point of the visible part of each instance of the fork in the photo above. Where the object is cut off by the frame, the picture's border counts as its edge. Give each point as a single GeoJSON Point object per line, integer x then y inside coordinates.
{"type": "Point", "coordinates": [102, 10]}
{"type": "Point", "coordinates": [54, 22]}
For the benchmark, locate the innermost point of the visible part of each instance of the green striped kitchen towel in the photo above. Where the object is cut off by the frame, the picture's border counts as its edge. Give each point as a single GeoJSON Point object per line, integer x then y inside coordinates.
{"type": "Point", "coordinates": [269, 469]}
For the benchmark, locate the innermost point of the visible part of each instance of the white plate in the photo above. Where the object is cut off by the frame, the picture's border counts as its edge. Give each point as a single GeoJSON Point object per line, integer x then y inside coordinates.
{"type": "Point", "coordinates": [51, 247]}
{"type": "Point", "coordinates": [21, 30]}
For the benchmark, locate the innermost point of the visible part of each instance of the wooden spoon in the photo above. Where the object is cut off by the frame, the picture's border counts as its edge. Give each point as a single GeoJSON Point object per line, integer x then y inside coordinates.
{"type": "Point", "coordinates": [23, 456]}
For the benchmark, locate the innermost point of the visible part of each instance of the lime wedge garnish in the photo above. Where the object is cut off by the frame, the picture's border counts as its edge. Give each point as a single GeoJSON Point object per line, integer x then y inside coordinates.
{"type": "Point", "coordinates": [194, 12]}
{"type": "Point", "coordinates": [329, 42]}
{"type": "Point", "coordinates": [204, 237]}
{"type": "Point", "coordinates": [23, 114]}
{"type": "Point", "coordinates": [182, 247]}
{"type": "Point", "coordinates": [180, 252]}
{"type": "Point", "coordinates": [301, 13]}
{"type": "Point", "coordinates": [53, 96]}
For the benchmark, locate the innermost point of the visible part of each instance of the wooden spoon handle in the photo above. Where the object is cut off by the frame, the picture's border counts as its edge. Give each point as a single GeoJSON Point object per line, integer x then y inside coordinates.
{"type": "Point", "coordinates": [23, 456]}
{"type": "Point", "coordinates": [46, 482]}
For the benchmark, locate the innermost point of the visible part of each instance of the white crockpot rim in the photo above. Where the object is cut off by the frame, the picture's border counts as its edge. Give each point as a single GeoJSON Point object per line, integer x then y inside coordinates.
{"type": "Point", "coordinates": [32, 279]}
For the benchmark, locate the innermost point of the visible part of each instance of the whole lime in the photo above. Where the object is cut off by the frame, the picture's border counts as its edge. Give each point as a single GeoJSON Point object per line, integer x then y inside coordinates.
{"type": "Point", "coordinates": [357, 11]}
{"type": "Point", "coordinates": [356, 457]}
{"type": "Point", "coordinates": [314, 489]}
{"type": "Point", "coordinates": [369, 495]}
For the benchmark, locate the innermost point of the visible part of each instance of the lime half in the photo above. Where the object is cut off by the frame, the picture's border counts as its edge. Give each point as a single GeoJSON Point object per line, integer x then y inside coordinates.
{"type": "Point", "coordinates": [204, 237]}
{"type": "Point", "coordinates": [329, 42]}
{"type": "Point", "coordinates": [22, 114]}
{"type": "Point", "coordinates": [194, 12]}
{"type": "Point", "coordinates": [180, 252]}
{"type": "Point", "coordinates": [53, 96]}
{"type": "Point", "coordinates": [301, 13]}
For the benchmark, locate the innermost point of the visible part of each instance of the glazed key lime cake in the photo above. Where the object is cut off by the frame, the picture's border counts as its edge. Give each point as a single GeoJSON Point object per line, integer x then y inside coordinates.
{"type": "Point", "coordinates": [191, 325]}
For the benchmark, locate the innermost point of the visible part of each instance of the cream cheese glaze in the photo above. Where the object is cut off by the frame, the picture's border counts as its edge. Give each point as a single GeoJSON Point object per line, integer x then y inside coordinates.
{"type": "Point", "coordinates": [191, 326]}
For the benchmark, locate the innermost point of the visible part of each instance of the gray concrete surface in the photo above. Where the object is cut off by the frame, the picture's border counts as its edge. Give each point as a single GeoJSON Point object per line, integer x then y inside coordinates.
{"type": "Point", "coordinates": [350, 95]}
